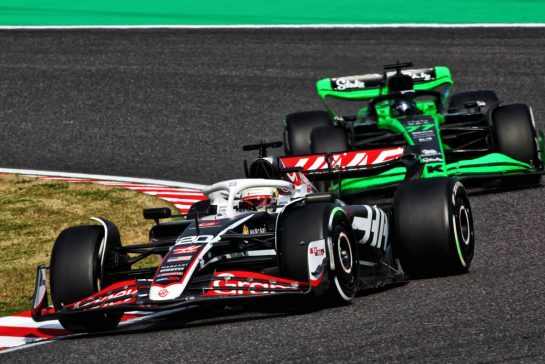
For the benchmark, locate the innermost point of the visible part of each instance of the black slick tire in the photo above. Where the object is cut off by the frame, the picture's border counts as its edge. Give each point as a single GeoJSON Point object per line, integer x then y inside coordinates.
{"type": "Point", "coordinates": [515, 136]}
{"type": "Point", "coordinates": [75, 271]}
{"type": "Point", "coordinates": [433, 227]}
{"type": "Point", "coordinates": [298, 128]}
{"type": "Point", "coordinates": [328, 139]}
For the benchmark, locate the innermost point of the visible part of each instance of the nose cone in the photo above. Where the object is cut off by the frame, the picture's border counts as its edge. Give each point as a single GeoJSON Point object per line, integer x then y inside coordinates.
{"type": "Point", "coordinates": [176, 270]}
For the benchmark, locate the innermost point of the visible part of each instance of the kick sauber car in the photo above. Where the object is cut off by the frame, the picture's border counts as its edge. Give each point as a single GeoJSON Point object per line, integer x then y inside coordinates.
{"type": "Point", "coordinates": [261, 237]}
{"type": "Point", "coordinates": [472, 135]}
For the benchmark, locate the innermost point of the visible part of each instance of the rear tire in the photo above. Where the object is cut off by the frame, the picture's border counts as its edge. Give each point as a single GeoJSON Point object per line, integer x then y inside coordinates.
{"type": "Point", "coordinates": [433, 227]}
{"type": "Point", "coordinates": [328, 139]}
{"type": "Point", "coordinates": [298, 128]}
{"type": "Point", "coordinates": [516, 137]}
{"type": "Point", "coordinates": [458, 101]}
{"type": "Point", "coordinates": [75, 273]}
{"type": "Point", "coordinates": [303, 225]}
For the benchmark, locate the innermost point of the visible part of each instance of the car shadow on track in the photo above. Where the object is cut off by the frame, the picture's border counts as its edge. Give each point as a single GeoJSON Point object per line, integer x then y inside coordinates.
{"type": "Point", "coordinates": [214, 315]}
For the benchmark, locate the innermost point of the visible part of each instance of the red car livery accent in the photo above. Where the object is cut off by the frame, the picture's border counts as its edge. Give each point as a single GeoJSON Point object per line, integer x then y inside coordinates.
{"type": "Point", "coordinates": [186, 249]}
{"type": "Point", "coordinates": [318, 252]}
{"type": "Point", "coordinates": [212, 223]}
{"type": "Point", "coordinates": [345, 160]}
{"type": "Point", "coordinates": [116, 294]}
{"type": "Point", "coordinates": [241, 283]}
{"type": "Point", "coordinates": [316, 282]}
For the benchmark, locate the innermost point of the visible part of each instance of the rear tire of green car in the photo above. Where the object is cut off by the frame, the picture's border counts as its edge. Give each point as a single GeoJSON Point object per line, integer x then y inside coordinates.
{"type": "Point", "coordinates": [515, 136]}
{"type": "Point", "coordinates": [328, 139]}
{"type": "Point", "coordinates": [299, 126]}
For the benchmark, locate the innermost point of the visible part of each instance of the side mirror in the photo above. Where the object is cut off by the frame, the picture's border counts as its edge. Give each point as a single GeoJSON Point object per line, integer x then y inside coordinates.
{"type": "Point", "coordinates": [157, 213]}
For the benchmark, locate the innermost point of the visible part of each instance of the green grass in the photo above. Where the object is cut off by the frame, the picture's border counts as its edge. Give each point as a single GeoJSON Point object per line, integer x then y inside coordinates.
{"type": "Point", "coordinates": [34, 211]}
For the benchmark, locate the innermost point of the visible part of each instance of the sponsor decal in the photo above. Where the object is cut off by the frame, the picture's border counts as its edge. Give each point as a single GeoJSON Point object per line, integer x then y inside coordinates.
{"type": "Point", "coordinates": [433, 159]}
{"type": "Point", "coordinates": [185, 249]}
{"type": "Point", "coordinates": [429, 151]}
{"type": "Point", "coordinates": [317, 251]}
{"type": "Point", "coordinates": [182, 258]}
{"type": "Point", "coordinates": [169, 279]}
{"type": "Point", "coordinates": [238, 283]}
{"type": "Point", "coordinates": [316, 261]}
{"type": "Point", "coordinates": [194, 239]}
{"type": "Point", "coordinates": [342, 84]}
{"type": "Point", "coordinates": [207, 224]}
{"type": "Point", "coordinates": [348, 83]}
{"type": "Point", "coordinates": [374, 227]}
{"type": "Point", "coordinates": [424, 134]}
{"type": "Point", "coordinates": [421, 76]}
{"type": "Point", "coordinates": [178, 274]}
{"type": "Point", "coordinates": [259, 230]}
{"type": "Point", "coordinates": [169, 269]}
{"type": "Point", "coordinates": [163, 292]}
{"type": "Point", "coordinates": [130, 291]}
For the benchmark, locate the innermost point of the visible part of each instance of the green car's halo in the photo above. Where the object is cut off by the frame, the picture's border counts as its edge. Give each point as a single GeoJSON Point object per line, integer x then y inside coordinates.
{"type": "Point", "coordinates": [469, 135]}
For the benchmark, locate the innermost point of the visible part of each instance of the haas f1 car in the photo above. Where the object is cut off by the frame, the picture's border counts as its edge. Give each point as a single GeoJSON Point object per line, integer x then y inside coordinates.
{"type": "Point", "coordinates": [261, 237]}
{"type": "Point", "coordinates": [472, 135]}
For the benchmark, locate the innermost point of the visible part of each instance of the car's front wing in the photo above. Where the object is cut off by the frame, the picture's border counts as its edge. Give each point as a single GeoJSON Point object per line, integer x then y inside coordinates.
{"type": "Point", "coordinates": [130, 295]}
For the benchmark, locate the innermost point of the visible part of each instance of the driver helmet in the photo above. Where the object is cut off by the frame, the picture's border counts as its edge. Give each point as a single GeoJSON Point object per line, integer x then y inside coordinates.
{"type": "Point", "coordinates": [401, 107]}
{"type": "Point", "coordinates": [259, 197]}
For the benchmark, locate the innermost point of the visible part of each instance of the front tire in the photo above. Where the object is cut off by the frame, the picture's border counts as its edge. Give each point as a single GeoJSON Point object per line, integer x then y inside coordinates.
{"type": "Point", "coordinates": [433, 227]}
{"type": "Point", "coordinates": [515, 135]}
{"type": "Point", "coordinates": [326, 226]}
{"type": "Point", "coordinates": [76, 273]}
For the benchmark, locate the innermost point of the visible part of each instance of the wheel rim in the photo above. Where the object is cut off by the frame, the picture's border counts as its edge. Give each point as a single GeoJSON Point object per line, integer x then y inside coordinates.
{"type": "Point", "coordinates": [463, 232]}
{"type": "Point", "coordinates": [345, 253]}
{"type": "Point", "coordinates": [464, 225]}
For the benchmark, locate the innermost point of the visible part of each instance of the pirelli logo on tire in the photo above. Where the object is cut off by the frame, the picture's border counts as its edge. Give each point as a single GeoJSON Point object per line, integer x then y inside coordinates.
{"type": "Point", "coordinates": [373, 228]}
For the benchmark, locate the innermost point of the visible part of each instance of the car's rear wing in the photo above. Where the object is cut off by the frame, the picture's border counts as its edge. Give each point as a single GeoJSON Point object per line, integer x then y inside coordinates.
{"type": "Point", "coordinates": [351, 164]}
{"type": "Point", "coordinates": [304, 169]}
{"type": "Point", "coordinates": [369, 86]}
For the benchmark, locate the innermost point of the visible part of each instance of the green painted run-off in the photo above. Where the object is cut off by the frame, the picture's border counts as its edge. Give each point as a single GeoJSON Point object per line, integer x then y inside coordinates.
{"type": "Point", "coordinates": [223, 12]}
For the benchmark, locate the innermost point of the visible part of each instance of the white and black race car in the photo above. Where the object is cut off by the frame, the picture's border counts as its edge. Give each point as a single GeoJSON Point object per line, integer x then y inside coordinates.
{"type": "Point", "coordinates": [258, 237]}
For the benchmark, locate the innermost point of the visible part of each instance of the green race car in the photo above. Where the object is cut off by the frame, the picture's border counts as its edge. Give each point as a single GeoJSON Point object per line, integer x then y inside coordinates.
{"type": "Point", "coordinates": [471, 135]}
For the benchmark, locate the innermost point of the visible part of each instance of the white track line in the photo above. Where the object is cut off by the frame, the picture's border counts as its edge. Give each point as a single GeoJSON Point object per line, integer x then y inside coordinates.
{"type": "Point", "coordinates": [32, 172]}
{"type": "Point", "coordinates": [277, 26]}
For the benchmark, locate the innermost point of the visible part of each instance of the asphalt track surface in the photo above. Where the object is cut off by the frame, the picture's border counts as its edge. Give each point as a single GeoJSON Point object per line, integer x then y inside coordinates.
{"type": "Point", "coordinates": [179, 104]}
